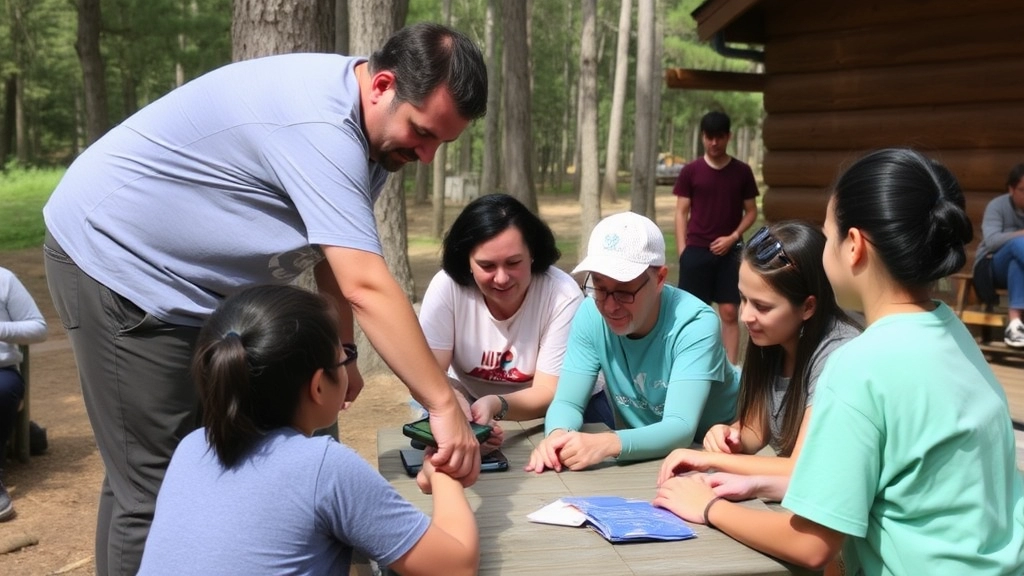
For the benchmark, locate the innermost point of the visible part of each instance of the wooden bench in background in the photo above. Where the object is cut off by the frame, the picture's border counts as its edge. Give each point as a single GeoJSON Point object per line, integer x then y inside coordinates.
{"type": "Point", "coordinates": [987, 321]}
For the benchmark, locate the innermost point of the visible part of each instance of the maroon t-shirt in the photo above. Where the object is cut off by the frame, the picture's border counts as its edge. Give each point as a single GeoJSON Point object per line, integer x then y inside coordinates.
{"type": "Point", "coordinates": [716, 198]}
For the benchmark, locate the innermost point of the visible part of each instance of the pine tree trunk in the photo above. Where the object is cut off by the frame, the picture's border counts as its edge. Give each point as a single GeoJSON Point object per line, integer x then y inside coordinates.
{"type": "Point", "coordinates": [422, 183]}
{"type": "Point", "coordinates": [611, 160]}
{"type": "Point", "coordinates": [590, 194]}
{"type": "Point", "coordinates": [441, 156]}
{"type": "Point", "coordinates": [87, 45]}
{"type": "Point", "coordinates": [490, 176]}
{"type": "Point", "coordinates": [518, 142]}
{"type": "Point", "coordinates": [265, 27]}
{"type": "Point", "coordinates": [643, 164]}
{"type": "Point", "coordinates": [651, 182]}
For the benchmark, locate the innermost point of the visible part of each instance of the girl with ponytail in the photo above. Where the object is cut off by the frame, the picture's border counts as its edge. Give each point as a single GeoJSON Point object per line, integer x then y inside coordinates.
{"type": "Point", "coordinates": [254, 492]}
{"type": "Point", "coordinates": [908, 465]}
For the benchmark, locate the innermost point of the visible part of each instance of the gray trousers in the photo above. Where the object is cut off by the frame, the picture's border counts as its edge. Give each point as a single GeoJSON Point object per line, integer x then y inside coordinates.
{"type": "Point", "coordinates": [138, 394]}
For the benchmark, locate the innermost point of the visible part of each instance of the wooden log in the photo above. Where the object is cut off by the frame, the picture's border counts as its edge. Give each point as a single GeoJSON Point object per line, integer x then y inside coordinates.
{"type": "Point", "coordinates": [965, 37]}
{"type": "Point", "coordinates": [685, 79]}
{"type": "Point", "coordinates": [715, 16]}
{"type": "Point", "coordinates": [799, 17]}
{"type": "Point", "coordinates": [959, 82]}
{"type": "Point", "coordinates": [981, 169]}
{"type": "Point", "coordinates": [924, 127]}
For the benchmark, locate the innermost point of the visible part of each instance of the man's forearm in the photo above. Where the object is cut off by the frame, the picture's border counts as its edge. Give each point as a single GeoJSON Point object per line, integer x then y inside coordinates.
{"type": "Point", "coordinates": [386, 317]}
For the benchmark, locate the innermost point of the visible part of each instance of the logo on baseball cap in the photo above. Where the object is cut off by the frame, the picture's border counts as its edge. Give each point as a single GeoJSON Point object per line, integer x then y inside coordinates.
{"type": "Point", "coordinates": [622, 246]}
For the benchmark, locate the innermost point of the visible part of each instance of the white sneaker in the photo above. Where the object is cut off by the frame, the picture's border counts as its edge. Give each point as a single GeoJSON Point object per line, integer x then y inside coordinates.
{"type": "Point", "coordinates": [1014, 334]}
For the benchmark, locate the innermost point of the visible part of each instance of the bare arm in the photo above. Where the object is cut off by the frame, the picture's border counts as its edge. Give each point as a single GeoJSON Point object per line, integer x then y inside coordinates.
{"type": "Point", "coordinates": [682, 219]}
{"type": "Point", "coordinates": [327, 285]}
{"type": "Point", "coordinates": [527, 403]}
{"type": "Point", "coordinates": [749, 217]}
{"type": "Point", "coordinates": [686, 460]}
{"type": "Point", "coordinates": [780, 534]}
{"type": "Point", "coordinates": [388, 320]}
{"type": "Point", "coordinates": [451, 545]}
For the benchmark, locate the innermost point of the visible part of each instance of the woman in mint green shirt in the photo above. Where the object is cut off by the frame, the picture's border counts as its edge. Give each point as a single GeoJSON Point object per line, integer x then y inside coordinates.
{"type": "Point", "coordinates": [908, 466]}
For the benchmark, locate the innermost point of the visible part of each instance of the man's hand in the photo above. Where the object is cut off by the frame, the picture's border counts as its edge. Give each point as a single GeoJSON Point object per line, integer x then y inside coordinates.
{"type": "Point", "coordinates": [582, 450]}
{"type": "Point", "coordinates": [685, 496]}
{"type": "Point", "coordinates": [545, 456]}
{"type": "Point", "coordinates": [458, 451]}
{"type": "Point", "coordinates": [574, 450]}
{"type": "Point", "coordinates": [723, 438]}
{"type": "Point", "coordinates": [720, 246]}
{"type": "Point", "coordinates": [682, 460]}
{"type": "Point", "coordinates": [355, 385]}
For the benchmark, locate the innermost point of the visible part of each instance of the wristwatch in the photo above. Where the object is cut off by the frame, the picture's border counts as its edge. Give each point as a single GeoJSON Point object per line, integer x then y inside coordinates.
{"type": "Point", "coordinates": [504, 408]}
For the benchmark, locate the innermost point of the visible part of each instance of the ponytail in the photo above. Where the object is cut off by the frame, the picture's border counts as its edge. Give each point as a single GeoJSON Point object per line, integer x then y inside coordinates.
{"type": "Point", "coordinates": [254, 357]}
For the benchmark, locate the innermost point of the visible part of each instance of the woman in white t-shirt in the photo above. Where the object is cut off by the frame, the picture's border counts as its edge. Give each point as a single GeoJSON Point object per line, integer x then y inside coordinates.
{"type": "Point", "coordinates": [497, 315]}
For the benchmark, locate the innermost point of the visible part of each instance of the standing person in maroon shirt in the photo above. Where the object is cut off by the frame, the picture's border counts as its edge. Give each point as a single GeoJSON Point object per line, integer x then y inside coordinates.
{"type": "Point", "coordinates": [715, 204]}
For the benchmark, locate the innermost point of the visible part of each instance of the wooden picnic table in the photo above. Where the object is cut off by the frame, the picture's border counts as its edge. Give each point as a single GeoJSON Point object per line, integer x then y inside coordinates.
{"type": "Point", "coordinates": [510, 544]}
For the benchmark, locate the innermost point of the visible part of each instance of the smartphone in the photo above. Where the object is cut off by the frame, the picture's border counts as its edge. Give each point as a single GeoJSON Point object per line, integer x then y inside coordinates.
{"type": "Point", "coordinates": [420, 432]}
{"type": "Point", "coordinates": [412, 461]}
{"type": "Point", "coordinates": [493, 462]}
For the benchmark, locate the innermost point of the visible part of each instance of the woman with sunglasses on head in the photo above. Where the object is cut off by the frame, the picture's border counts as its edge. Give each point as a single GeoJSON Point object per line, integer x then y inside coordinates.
{"type": "Point", "coordinates": [497, 315]}
{"type": "Point", "coordinates": [908, 465]}
{"type": "Point", "coordinates": [794, 322]}
{"type": "Point", "coordinates": [253, 492]}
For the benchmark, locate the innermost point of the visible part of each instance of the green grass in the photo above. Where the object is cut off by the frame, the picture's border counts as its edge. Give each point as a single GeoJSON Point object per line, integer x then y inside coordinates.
{"type": "Point", "coordinates": [22, 195]}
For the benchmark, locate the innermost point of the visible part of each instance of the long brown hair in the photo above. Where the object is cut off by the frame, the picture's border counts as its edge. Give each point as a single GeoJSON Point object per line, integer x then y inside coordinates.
{"type": "Point", "coordinates": [795, 277]}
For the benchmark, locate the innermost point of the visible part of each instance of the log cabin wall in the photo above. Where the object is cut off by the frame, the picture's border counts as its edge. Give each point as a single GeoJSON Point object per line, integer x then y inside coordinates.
{"type": "Point", "coordinates": [943, 76]}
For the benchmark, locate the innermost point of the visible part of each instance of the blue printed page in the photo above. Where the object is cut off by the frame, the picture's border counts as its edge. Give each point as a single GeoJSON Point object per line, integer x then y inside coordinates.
{"type": "Point", "coordinates": [622, 520]}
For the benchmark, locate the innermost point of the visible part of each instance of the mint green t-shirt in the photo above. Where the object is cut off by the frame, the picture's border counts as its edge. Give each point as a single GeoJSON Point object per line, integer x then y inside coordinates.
{"type": "Point", "coordinates": [911, 453]}
{"type": "Point", "coordinates": [667, 387]}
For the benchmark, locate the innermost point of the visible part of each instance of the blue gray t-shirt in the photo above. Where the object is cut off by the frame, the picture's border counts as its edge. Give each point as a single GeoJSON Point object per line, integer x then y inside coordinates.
{"type": "Point", "coordinates": [223, 183]}
{"type": "Point", "coordinates": [294, 505]}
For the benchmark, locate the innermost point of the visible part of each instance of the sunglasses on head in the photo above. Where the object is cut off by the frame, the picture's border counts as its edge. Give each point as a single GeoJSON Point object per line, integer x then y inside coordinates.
{"type": "Point", "coordinates": [765, 247]}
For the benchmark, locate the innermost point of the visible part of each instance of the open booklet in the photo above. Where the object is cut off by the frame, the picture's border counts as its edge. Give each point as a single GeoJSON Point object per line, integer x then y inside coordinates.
{"type": "Point", "coordinates": [617, 519]}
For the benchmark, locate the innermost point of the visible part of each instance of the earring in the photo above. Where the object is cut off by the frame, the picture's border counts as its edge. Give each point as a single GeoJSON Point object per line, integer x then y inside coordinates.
{"type": "Point", "coordinates": [801, 332]}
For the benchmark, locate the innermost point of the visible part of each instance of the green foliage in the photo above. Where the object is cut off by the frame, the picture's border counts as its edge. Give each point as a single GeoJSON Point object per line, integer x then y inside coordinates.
{"type": "Point", "coordinates": [143, 43]}
{"type": "Point", "coordinates": [22, 195]}
{"type": "Point", "coordinates": [681, 110]}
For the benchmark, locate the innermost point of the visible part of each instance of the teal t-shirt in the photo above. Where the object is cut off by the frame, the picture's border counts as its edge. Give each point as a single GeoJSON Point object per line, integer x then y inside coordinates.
{"type": "Point", "coordinates": [911, 452]}
{"type": "Point", "coordinates": [667, 387]}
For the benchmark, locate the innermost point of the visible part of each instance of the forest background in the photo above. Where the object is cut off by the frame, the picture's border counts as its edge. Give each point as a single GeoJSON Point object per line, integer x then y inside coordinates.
{"type": "Point", "coordinates": [69, 70]}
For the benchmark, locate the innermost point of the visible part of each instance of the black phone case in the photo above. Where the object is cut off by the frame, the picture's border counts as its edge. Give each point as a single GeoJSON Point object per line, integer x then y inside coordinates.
{"type": "Point", "coordinates": [494, 462]}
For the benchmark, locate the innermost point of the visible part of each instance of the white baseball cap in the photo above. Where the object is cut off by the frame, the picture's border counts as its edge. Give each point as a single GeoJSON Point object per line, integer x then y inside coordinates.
{"type": "Point", "coordinates": [622, 246]}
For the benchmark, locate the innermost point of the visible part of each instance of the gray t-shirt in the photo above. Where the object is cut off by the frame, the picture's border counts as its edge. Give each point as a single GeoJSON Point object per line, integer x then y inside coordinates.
{"type": "Point", "coordinates": [837, 335]}
{"type": "Point", "coordinates": [223, 183]}
{"type": "Point", "coordinates": [294, 505]}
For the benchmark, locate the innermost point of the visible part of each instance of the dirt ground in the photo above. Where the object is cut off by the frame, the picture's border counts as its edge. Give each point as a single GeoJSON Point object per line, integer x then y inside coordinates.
{"type": "Point", "coordinates": [56, 494]}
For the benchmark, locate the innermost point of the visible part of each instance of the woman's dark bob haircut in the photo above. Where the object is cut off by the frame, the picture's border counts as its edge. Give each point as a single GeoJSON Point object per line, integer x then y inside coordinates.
{"type": "Point", "coordinates": [485, 218]}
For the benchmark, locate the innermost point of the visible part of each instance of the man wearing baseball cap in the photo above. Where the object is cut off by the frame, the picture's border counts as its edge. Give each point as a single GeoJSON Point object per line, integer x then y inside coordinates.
{"type": "Point", "coordinates": [660, 349]}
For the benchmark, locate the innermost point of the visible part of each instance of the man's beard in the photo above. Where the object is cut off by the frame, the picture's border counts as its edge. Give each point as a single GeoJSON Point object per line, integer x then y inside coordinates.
{"type": "Point", "coordinates": [395, 160]}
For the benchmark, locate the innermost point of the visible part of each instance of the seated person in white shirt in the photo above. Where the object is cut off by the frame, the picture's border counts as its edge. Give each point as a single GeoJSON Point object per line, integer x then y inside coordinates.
{"type": "Point", "coordinates": [497, 315]}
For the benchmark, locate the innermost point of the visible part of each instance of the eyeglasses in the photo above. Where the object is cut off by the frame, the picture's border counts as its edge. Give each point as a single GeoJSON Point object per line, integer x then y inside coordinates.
{"type": "Point", "coordinates": [620, 296]}
{"type": "Point", "coordinates": [350, 355]}
{"type": "Point", "coordinates": [765, 247]}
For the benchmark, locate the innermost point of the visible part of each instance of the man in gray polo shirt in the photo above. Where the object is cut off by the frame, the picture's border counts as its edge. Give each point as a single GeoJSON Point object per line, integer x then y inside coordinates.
{"type": "Point", "coordinates": [247, 175]}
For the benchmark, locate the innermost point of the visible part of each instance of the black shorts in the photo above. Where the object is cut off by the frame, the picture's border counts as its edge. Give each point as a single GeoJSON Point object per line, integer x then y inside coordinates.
{"type": "Point", "coordinates": [709, 277]}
